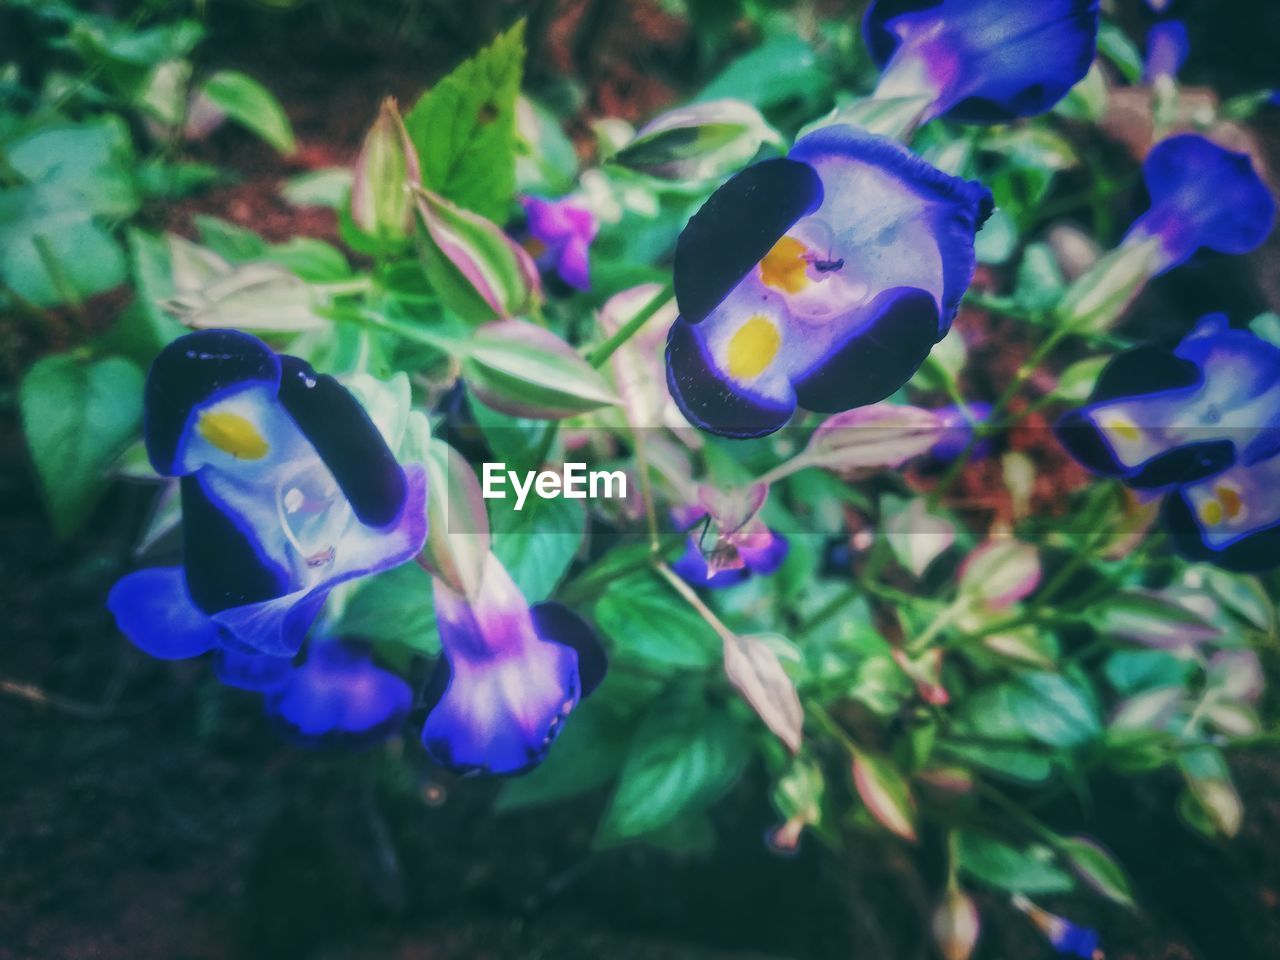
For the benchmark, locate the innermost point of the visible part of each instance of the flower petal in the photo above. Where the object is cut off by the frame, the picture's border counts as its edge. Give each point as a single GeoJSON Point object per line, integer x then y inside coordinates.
{"type": "Point", "coordinates": [503, 691]}
{"type": "Point", "coordinates": [710, 401]}
{"type": "Point", "coordinates": [983, 61]}
{"type": "Point", "coordinates": [736, 227]}
{"type": "Point", "coordinates": [556, 623]}
{"type": "Point", "coordinates": [1167, 49]}
{"type": "Point", "coordinates": [878, 359]}
{"type": "Point", "coordinates": [1202, 195]}
{"type": "Point", "coordinates": [153, 609]}
{"type": "Point", "coordinates": [191, 372]}
{"type": "Point", "coordinates": [1231, 520]}
{"type": "Point", "coordinates": [347, 441]}
{"type": "Point", "coordinates": [691, 566]}
{"type": "Point", "coordinates": [339, 693]}
{"type": "Point", "coordinates": [247, 670]}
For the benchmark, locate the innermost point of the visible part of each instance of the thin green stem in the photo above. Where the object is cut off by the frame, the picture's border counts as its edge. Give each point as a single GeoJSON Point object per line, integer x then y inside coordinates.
{"type": "Point", "coordinates": [603, 351]}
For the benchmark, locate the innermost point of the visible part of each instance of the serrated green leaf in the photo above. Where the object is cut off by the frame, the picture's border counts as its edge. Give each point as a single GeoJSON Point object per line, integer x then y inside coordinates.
{"type": "Point", "coordinates": [1054, 709]}
{"type": "Point", "coordinates": [682, 758]}
{"type": "Point", "coordinates": [464, 128]}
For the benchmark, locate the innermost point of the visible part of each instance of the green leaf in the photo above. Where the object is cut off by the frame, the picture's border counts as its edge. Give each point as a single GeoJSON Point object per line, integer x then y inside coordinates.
{"type": "Point", "coordinates": [464, 128]}
{"type": "Point", "coordinates": [885, 792]}
{"type": "Point", "coordinates": [1133, 671]}
{"type": "Point", "coordinates": [537, 543]}
{"type": "Point", "coordinates": [783, 69]}
{"type": "Point", "coordinates": [683, 757]}
{"type": "Point", "coordinates": [1116, 46]}
{"type": "Point", "coordinates": [62, 262]}
{"type": "Point", "coordinates": [393, 607]}
{"type": "Point", "coordinates": [645, 619]}
{"type": "Point", "coordinates": [1054, 710]}
{"type": "Point", "coordinates": [79, 416]}
{"type": "Point", "coordinates": [1098, 869]}
{"type": "Point", "coordinates": [999, 865]}
{"type": "Point", "coordinates": [329, 187]}
{"type": "Point", "coordinates": [250, 104]}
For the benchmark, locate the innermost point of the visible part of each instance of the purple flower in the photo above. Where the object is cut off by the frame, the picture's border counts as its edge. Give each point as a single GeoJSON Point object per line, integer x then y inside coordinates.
{"type": "Point", "coordinates": [1158, 419]}
{"type": "Point", "coordinates": [758, 551]}
{"type": "Point", "coordinates": [338, 694]}
{"type": "Point", "coordinates": [957, 431]}
{"type": "Point", "coordinates": [821, 281]}
{"type": "Point", "coordinates": [1167, 49]}
{"type": "Point", "coordinates": [1202, 422]}
{"type": "Point", "coordinates": [561, 232]}
{"type": "Point", "coordinates": [288, 489]}
{"type": "Point", "coordinates": [507, 678]}
{"type": "Point", "coordinates": [1202, 195]}
{"type": "Point", "coordinates": [981, 61]}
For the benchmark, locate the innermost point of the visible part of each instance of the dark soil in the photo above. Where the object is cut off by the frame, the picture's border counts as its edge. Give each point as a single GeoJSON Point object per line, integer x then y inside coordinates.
{"type": "Point", "coordinates": [151, 815]}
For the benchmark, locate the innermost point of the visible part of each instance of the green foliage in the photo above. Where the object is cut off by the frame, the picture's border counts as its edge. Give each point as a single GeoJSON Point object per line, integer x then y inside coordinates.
{"type": "Point", "coordinates": [464, 129]}
{"type": "Point", "coordinates": [79, 415]}
{"type": "Point", "coordinates": [250, 104]}
{"type": "Point", "coordinates": [683, 756]}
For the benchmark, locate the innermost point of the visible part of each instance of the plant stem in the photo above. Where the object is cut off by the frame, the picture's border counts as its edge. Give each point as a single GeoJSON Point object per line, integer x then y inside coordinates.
{"type": "Point", "coordinates": [603, 351]}
{"type": "Point", "coordinates": [692, 598]}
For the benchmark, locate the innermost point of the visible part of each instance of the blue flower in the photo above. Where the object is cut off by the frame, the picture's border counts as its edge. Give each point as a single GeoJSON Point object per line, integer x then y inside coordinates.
{"type": "Point", "coordinates": [1231, 519]}
{"type": "Point", "coordinates": [288, 489]}
{"type": "Point", "coordinates": [957, 427]}
{"type": "Point", "coordinates": [1202, 195]}
{"type": "Point", "coordinates": [560, 233]}
{"type": "Point", "coordinates": [1159, 419]}
{"type": "Point", "coordinates": [1167, 49]}
{"type": "Point", "coordinates": [507, 678]}
{"type": "Point", "coordinates": [821, 280]}
{"type": "Point", "coordinates": [982, 61]}
{"type": "Point", "coordinates": [1073, 940]}
{"type": "Point", "coordinates": [338, 695]}
{"type": "Point", "coordinates": [753, 551]}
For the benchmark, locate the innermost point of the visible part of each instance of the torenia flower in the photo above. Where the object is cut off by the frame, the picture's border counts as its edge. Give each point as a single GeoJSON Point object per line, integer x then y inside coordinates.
{"type": "Point", "coordinates": [508, 675]}
{"type": "Point", "coordinates": [957, 429]}
{"type": "Point", "coordinates": [336, 695]}
{"type": "Point", "coordinates": [1167, 49]}
{"type": "Point", "coordinates": [1231, 520]}
{"type": "Point", "coordinates": [1159, 418]}
{"type": "Point", "coordinates": [1202, 195]}
{"type": "Point", "coordinates": [287, 487]}
{"type": "Point", "coordinates": [728, 542]}
{"type": "Point", "coordinates": [560, 235]}
{"type": "Point", "coordinates": [1067, 938]}
{"type": "Point", "coordinates": [981, 61]}
{"type": "Point", "coordinates": [821, 280]}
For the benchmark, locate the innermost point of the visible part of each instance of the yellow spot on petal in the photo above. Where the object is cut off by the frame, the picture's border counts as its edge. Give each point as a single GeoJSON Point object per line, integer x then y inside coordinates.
{"type": "Point", "coordinates": [1122, 428]}
{"type": "Point", "coordinates": [783, 267]}
{"type": "Point", "coordinates": [753, 348]}
{"type": "Point", "coordinates": [1229, 497]}
{"type": "Point", "coordinates": [1211, 513]}
{"type": "Point", "coordinates": [233, 434]}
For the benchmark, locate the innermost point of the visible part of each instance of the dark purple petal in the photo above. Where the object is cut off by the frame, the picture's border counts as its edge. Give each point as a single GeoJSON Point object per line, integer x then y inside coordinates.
{"type": "Point", "coordinates": [153, 609]}
{"type": "Point", "coordinates": [190, 372]}
{"type": "Point", "coordinates": [347, 441]}
{"type": "Point", "coordinates": [877, 360]}
{"type": "Point", "coordinates": [736, 227]}
{"type": "Point", "coordinates": [556, 623]}
{"type": "Point", "coordinates": [765, 559]}
{"type": "Point", "coordinates": [708, 400]}
{"type": "Point", "coordinates": [1255, 552]}
{"type": "Point", "coordinates": [339, 695]}
{"type": "Point", "coordinates": [224, 565]}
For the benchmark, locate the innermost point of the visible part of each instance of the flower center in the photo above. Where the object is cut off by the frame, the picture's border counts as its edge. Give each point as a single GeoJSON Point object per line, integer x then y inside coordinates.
{"type": "Point", "coordinates": [313, 513]}
{"type": "Point", "coordinates": [783, 267]}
